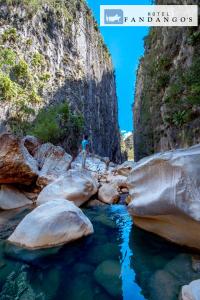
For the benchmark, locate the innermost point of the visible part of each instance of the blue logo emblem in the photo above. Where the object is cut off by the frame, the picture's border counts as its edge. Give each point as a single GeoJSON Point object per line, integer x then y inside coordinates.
{"type": "Point", "coordinates": [113, 16]}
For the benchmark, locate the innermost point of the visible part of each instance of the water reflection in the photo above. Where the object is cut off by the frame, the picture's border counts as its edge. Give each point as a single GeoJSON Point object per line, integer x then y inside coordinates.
{"type": "Point", "coordinates": [161, 268]}
{"type": "Point", "coordinates": [130, 289]}
{"type": "Point", "coordinates": [119, 261]}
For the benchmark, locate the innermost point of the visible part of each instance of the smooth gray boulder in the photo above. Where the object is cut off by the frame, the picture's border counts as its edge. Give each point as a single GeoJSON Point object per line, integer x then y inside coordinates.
{"type": "Point", "coordinates": [108, 193]}
{"type": "Point", "coordinates": [76, 186]}
{"type": "Point", "coordinates": [165, 193]}
{"type": "Point", "coordinates": [54, 223]}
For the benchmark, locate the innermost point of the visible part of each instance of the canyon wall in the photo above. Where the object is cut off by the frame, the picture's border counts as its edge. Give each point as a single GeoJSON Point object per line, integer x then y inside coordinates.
{"type": "Point", "coordinates": [52, 53]}
{"type": "Point", "coordinates": [167, 97]}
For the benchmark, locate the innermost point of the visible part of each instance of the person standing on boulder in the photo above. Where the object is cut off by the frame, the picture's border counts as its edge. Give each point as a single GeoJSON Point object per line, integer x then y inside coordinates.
{"type": "Point", "coordinates": [84, 150]}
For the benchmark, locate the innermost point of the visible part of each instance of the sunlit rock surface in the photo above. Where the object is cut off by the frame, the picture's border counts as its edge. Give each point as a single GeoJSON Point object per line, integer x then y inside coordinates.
{"type": "Point", "coordinates": [119, 180]}
{"type": "Point", "coordinates": [94, 163]}
{"type": "Point", "coordinates": [54, 223]}
{"type": "Point", "coordinates": [108, 193]}
{"type": "Point", "coordinates": [11, 197]}
{"type": "Point", "coordinates": [191, 291]}
{"type": "Point", "coordinates": [165, 192]}
{"type": "Point", "coordinates": [53, 162]}
{"type": "Point", "coordinates": [16, 163]}
{"type": "Point", "coordinates": [125, 169]}
{"type": "Point", "coordinates": [77, 186]}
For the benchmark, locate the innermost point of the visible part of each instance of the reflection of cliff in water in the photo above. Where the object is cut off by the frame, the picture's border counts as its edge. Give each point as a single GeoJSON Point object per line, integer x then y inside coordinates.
{"type": "Point", "coordinates": [130, 289]}
{"type": "Point", "coordinates": [161, 268]}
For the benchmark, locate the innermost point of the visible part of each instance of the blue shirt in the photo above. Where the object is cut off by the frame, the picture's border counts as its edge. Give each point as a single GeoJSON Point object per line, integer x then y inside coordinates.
{"type": "Point", "coordinates": [85, 143]}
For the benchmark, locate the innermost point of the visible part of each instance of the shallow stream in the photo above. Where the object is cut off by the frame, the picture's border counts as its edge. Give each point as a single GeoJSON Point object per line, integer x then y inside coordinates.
{"type": "Point", "coordinates": [119, 261]}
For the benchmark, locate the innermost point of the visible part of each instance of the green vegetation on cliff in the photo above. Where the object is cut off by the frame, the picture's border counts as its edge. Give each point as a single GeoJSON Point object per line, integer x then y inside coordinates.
{"type": "Point", "coordinates": [52, 53]}
{"type": "Point", "coordinates": [24, 78]}
{"type": "Point", "coordinates": [167, 110]}
{"type": "Point", "coordinates": [56, 123]}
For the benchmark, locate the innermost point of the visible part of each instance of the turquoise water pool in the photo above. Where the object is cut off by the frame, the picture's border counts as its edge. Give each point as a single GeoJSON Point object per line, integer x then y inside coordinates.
{"type": "Point", "coordinates": [119, 261]}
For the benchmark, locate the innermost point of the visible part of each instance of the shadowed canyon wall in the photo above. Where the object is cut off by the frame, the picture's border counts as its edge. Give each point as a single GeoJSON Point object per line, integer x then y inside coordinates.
{"type": "Point", "coordinates": [52, 53]}
{"type": "Point", "coordinates": [167, 96]}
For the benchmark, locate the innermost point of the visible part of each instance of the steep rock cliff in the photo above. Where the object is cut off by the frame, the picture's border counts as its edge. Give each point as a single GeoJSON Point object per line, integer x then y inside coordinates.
{"type": "Point", "coordinates": [52, 53]}
{"type": "Point", "coordinates": [127, 148]}
{"type": "Point", "coordinates": [167, 96]}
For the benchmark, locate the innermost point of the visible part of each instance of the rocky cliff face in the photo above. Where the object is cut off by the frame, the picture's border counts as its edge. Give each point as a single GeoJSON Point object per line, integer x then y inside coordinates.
{"type": "Point", "coordinates": [50, 54]}
{"type": "Point", "coordinates": [127, 148]}
{"type": "Point", "coordinates": [167, 97]}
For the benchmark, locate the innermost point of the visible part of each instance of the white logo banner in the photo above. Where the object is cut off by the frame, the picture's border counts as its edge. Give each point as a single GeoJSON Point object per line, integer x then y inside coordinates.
{"type": "Point", "coordinates": [149, 15]}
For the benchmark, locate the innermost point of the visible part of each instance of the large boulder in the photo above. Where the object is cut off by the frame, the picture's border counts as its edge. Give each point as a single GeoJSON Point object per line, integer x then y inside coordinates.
{"type": "Point", "coordinates": [165, 193]}
{"type": "Point", "coordinates": [191, 291]}
{"type": "Point", "coordinates": [11, 197]}
{"type": "Point", "coordinates": [94, 163]}
{"type": "Point", "coordinates": [108, 193]}
{"type": "Point", "coordinates": [54, 223]}
{"type": "Point", "coordinates": [53, 162]}
{"type": "Point", "coordinates": [77, 186]}
{"type": "Point", "coordinates": [16, 163]}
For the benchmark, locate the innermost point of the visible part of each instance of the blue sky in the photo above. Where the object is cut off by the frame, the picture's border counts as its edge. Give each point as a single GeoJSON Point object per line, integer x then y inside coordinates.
{"type": "Point", "coordinates": [126, 47]}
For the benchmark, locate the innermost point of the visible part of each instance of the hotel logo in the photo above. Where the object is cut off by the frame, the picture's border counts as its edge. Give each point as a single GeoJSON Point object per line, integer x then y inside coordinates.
{"type": "Point", "coordinates": [113, 16]}
{"type": "Point", "coordinates": [149, 15]}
